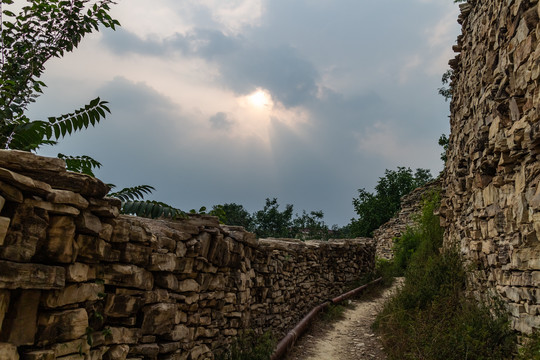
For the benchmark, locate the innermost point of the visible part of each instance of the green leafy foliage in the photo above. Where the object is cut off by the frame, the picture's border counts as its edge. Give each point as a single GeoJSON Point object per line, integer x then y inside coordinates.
{"type": "Point", "coordinates": [271, 222]}
{"type": "Point", "coordinates": [43, 29]}
{"type": "Point", "coordinates": [151, 209]}
{"type": "Point", "coordinates": [531, 347]}
{"type": "Point", "coordinates": [236, 215]}
{"type": "Point", "coordinates": [81, 164]}
{"type": "Point", "coordinates": [133, 203]}
{"type": "Point", "coordinates": [310, 226]}
{"type": "Point", "coordinates": [374, 209]}
{"type": "Point", "coordinates": [444, 142]}
{"type": "Point", "coordinates": [430, 318]}
{"type": "Point", "coordinates": [132, 193]}
{"type": "Point", "coordinates": [427, 232]}
{"type": "Point", "coordinates": [446, 92]}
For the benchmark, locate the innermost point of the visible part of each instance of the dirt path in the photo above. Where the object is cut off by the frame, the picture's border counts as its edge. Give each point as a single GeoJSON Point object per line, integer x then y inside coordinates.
{"type": "Point", "coordinates": [350, 338]}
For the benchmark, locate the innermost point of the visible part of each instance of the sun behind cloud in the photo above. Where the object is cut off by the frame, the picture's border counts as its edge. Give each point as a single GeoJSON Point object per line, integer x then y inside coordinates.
{"type": "Point", "coordinates": [260, 99]}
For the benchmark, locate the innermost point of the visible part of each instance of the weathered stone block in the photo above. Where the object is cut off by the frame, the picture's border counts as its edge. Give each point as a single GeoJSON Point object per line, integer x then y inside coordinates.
{"type": "Point", "coordinates": [178, 355]}
{"type": "Point", "coordinates": [138, 234]}
{"type": "Point", "coordinates": [158, 319]}
{"type": "Point", "coordinates": [95, 249]}
{"type": "Point", "coordinates": [19, 160]}
{"type": "Point", "coordinates": [117, 352]}
{"type": "Point", "coordinates": [126, 275]}
{"type": "Point", "coordinates": [149, 351]}
{"type": "Point", "coordinates": [30, 276]}
{"type": "Point", "coordinates": [11, 193]}
{"type": "Point", "coordinates": [134, 254]}
{"type": "Point", "coordinates": [25, 183]}
{"type": "Point", "coordinates": [39, 355]}
{"type": "Point", "coordinates": [122, 305]}
{"type": "Point", "coordinates": [106, 232]}
{"type": "Point", "coordinates": [166, 280]}
{"type": "Point", "coordinates": [188, 285]}
{"type": "Point", "coordinates": [57, 209]}
{"type": "Point", "coordinates": [163, 262]}
{"type": "Point", "coordinates": [4, 305]}
{"type": "Point", "coordinates": [179, 333]}
{"type": "Point", "coordinates": [4, 226]}
{"type": "Point", "coordinates": [118, 335]}
{"type": "Point", "coordinates": [106, 208]}
{"type": "Point", "coordinates": [60, 239]}
{"type": "Point", "coordinates": [88, 223]}
{"type": "Point", "coordinates": [78, 272]}
{"type": "Point", "coordinates": [19, 326]}
{"type": "Point", "coordinates": [199, 352]}
{"type": "Point", "coordinates": [72, 294]}
{"type": "Point", "coordinates": [71, 347]}
{"type": "Point", "coordinates": [67, 197]}
{"type": "Point", "coordinates": [61, 326]}
{"type": "Point", "coordinates": [8, 352]}
{"type": "Point", "coordinates": [165, 348]}
{"type": "Point", "coordinates": [27, 228]}
{"type": "Point", "coordinates": [184, 265]}
{"type": "Point", "coordinates": [120, 231]}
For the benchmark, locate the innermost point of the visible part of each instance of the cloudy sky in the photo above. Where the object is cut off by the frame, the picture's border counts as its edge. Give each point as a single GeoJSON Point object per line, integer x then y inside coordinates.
{"type": "Point", "coordinates": [219, 101]}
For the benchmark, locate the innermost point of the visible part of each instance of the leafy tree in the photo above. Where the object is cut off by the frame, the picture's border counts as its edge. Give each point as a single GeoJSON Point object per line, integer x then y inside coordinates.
{"type": "Point", "coordinates": [235, 214]}
{"type": "Point", "coordinates": [310, 226]}
{"type": "Point", "coordinates": [270, 222]}
{"type": "Point", "coordinates": [446, 92]}
{"type": "Point", "coordinates": [374, 209]}
{"type": "Point", "coordinates": [42, 30]}
{"type": "Point", "coordinates": [444, 141]}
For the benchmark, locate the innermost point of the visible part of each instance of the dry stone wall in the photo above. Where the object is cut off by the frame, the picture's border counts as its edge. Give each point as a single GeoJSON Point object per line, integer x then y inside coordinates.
{"type": "Point", "coordinates": [491, 207]}
{"type": "Point", "coordinates": [79, 281]}
{"type": "Point", "coordinates": [411, 204]}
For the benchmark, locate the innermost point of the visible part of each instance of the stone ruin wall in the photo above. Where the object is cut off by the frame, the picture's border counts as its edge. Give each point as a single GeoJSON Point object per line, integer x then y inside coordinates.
{"type": "Point", "coordinates": [491, 207]}
{"type": "Point", "coordinates": [411, 204]}
{"type": "Point", "coordinates": [74, 271]}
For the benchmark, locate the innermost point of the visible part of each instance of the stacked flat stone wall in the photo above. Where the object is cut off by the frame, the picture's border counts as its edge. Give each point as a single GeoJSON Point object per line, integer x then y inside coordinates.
{"type": "Point", "coordinates": [79, 281]}
{"type": "Point", "coordinates": [491, 207]}
{"type": "Point", "coordinates": [411, 205]}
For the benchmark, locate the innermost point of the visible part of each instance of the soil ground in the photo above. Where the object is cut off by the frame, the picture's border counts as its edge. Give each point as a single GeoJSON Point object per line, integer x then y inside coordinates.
{"type": "Point", "coordinates": [349, 338]}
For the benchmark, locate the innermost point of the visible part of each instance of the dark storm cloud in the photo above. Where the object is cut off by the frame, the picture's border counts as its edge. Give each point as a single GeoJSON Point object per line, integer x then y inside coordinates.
{"type": "Point", "coordinates": [205, 43]}
{"type": "Point", "coordinates": [244, 66]}
{"type": "Point", "coordinates": [343, 63]}
{"type": "Point", "coordinates": [221, 121]}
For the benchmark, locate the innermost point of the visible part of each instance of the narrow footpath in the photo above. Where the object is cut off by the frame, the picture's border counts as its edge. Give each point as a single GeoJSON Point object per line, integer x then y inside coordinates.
{"type": "Point", "coordinates": [350, 338]}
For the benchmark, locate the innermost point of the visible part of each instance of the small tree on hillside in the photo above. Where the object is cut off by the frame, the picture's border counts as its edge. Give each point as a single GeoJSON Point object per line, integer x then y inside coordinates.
{"type": "Point", "coordinates": [270, 222]}
{"type": "Point", "coordinates": [374, 209]}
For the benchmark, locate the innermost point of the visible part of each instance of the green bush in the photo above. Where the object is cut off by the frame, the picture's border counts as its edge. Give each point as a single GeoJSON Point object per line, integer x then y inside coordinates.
{"type": "Point", "coordinates": [531, 348]}
{"type": "Point", "coordinates": [250, 346]}
{"type": "Point", "coordinates": [430, 318]}
{"type": "Point", "coordinates": [425, 238]}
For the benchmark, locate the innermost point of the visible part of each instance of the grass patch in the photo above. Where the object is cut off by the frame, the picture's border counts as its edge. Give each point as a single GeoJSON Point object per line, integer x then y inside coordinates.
{"type": "Point", "coordinates": [430, 318]}
{"type": "Point", "coordinates": [250, 346]}
{"type": "Point", "coordinates": [333, 312]}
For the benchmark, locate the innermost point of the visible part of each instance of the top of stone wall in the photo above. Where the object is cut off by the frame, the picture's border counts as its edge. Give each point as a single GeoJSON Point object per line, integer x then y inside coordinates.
{"type": "Point", "coordinates": [39, 174]}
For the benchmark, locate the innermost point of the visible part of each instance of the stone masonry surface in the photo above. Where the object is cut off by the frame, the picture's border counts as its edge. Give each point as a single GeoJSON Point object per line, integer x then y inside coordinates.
{"type": "Point", "coordinates": [491, 203]}
{"type": "Point", "coordinates": [79, 281]}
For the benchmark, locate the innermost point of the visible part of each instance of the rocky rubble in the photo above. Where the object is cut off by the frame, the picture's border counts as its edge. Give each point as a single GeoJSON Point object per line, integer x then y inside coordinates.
{"type": "Point", "coordinates": [80, 281]}
{"type": "Point", "coordinates": [491, 206]}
